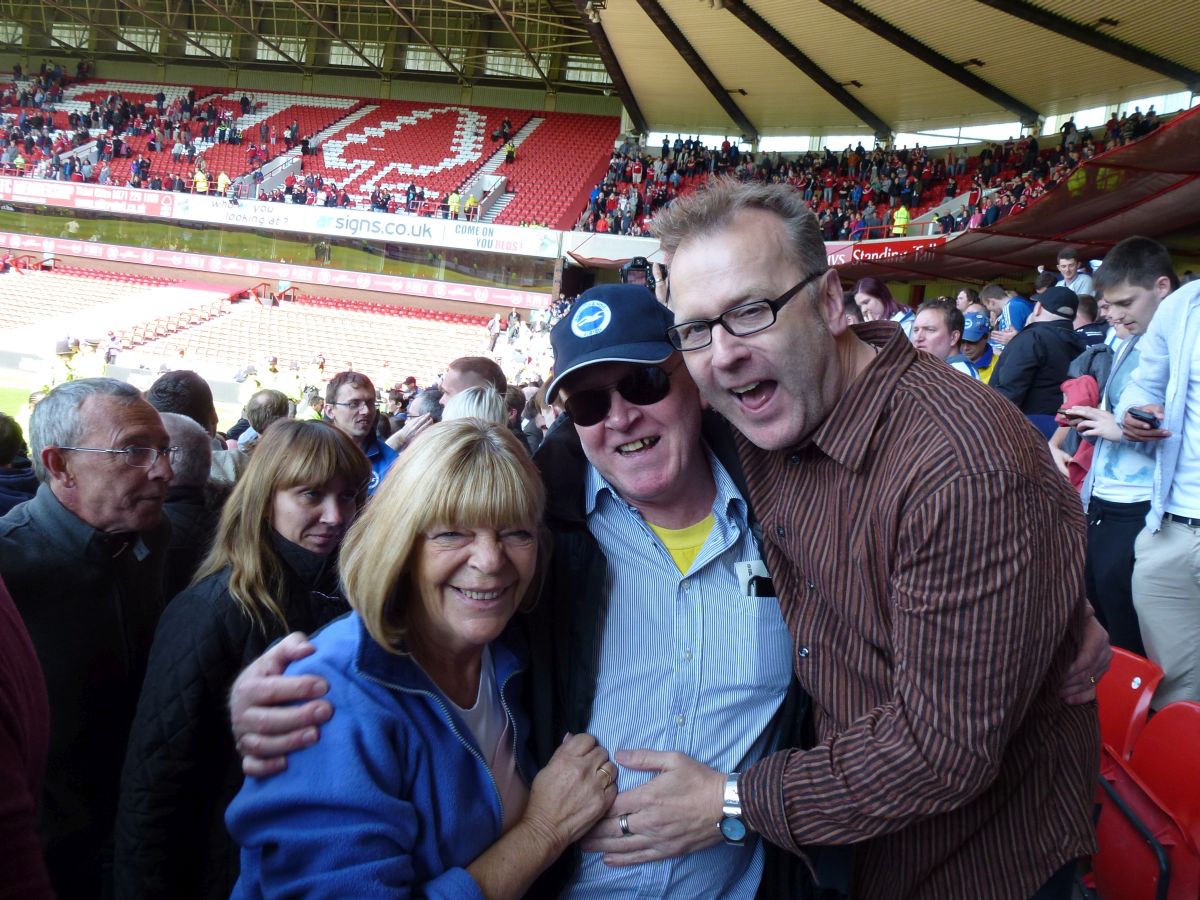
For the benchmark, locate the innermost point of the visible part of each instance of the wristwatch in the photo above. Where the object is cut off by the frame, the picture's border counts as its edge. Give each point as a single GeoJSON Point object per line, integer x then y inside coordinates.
{"type": "Point", "coordinates": [732, 826]}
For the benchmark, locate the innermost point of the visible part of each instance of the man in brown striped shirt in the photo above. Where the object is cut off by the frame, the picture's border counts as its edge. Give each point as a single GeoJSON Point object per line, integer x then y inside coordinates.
{"type": "Point", "coordinates": [929, 562]}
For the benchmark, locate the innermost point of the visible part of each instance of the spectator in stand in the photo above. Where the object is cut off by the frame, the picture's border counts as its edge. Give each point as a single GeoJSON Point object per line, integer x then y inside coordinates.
{"type": "Point", "coordinates": [1009, 313]}
{"type": "Point", "coordinates": [191, 508]}
{"type": "Point", "coordinates": [1072, 277]}
{"type": "Point", "coordinates": [976, 345]}
{"type": "Point", "coordinates": [1166, 385]}
{"type": "Point", "coordinates": [1034, 364]}
{"type": "Point", "coordinates": [350, 405]}
{"type": "Point", "coordinates": [270, 571]}
{"type": "Point", "coordinates": [462, 373]}
{"type": "Point", "coordinates": [17, 481]}
{"type": "Point", "coordinates": [966, 298]}
{"type": "Point", "coordinates": [1087, 323]}
{"type": "Point", "coordinates": [938, 330]}
{"type": "Point", "coordinates": [1136, 277]}
{"type": "Point", "coordinates": [878, 304]}
{"type": "Point", "coordinates": [83, 561]}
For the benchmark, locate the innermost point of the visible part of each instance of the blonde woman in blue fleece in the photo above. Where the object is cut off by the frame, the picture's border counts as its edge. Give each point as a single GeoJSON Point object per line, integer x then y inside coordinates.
{"type": "Point", "coordinates": [420, 783]}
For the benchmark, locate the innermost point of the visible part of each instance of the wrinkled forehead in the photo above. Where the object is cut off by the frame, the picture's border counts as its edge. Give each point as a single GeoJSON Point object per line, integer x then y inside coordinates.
{"type": "Point", "coordinates": [121, 422]}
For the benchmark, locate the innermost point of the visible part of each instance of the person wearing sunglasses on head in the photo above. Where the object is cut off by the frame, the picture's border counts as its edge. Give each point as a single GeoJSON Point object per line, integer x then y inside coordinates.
{"type": "Point", "coordinates": [657, 630]}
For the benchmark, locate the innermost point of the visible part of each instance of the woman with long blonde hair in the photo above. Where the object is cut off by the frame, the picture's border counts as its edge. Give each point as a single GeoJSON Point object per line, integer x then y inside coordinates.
{"type": "Point", "coordinates": [422, 783]}
{"type": "Point", "coordinates": [271, 569]}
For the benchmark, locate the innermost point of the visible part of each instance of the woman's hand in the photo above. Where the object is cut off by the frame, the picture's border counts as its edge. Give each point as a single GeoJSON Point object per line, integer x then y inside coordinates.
{"type": "Point", "coordinates": [571, 794]}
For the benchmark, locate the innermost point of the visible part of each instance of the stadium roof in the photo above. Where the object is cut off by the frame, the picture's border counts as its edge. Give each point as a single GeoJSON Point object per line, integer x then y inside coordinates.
{"type": "Point", "coordinates": [737, 67]}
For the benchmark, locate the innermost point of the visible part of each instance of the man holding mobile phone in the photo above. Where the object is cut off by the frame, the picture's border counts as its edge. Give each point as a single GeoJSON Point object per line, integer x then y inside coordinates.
{"type": "Point", "coordinates": [1135, 277]}
{"type": "Point", "coordinates": [1166, 386]}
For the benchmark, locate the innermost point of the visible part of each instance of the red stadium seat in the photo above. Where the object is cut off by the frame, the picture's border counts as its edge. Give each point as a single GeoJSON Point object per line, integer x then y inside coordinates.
{"type": "Point", "coordinates": [1123, 696]}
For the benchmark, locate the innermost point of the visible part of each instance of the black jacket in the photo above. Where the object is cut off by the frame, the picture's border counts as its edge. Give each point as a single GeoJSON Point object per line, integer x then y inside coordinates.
{"type": "Point", "coordinates": [90, 604]}
{"type": "Point", "coordinates": [193, 522]}
{"type": "Point", "coordinates": [1033, 366]}
{"type": "Point", "coordinates": [182, 770]}
{"type": "Point", "coordinates": [563, 632]}
{"type": "Point", "coordinates": [17, 485]}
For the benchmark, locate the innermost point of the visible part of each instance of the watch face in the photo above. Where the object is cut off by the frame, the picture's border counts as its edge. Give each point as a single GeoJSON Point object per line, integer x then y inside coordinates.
{"type": "Point", "coordinates": [733, 829]}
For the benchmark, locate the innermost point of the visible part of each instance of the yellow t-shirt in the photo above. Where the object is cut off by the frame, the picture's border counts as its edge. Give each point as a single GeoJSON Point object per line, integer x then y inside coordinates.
{"type": "Point", "coordinates": [684, 544]}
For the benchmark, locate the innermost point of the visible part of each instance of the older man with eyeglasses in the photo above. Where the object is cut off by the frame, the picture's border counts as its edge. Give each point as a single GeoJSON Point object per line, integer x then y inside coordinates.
{"type": "Point", "coordinates": [83, 561]}
{"type": "Point", "coordinates": [351, 406]}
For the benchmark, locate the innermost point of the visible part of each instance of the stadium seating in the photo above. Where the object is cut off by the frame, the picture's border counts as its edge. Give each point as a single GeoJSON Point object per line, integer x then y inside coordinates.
{"type": "Point", "coordinates": [1148, 831]}
{"type": "Point", "coordinates": [369, 335]}
{"type": "Point", "coordinates": [556, 168]}
{"type": "Point", "coordinates": [1123, 696]}
{"type": "Point", "coordinates": [437, 147]}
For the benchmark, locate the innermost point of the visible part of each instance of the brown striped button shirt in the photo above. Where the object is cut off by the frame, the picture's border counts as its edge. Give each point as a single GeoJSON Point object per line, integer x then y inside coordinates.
{"type": "Point", "coordinates": [929, 563]}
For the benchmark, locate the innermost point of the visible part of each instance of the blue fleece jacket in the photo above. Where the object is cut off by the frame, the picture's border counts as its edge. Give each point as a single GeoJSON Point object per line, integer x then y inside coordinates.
{"type": "Point", "coordinates": [393, 801]}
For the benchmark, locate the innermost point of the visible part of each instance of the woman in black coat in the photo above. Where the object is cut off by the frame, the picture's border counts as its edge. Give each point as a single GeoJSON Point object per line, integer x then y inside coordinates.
{"type": "Point", "coordinates": [271, 571]}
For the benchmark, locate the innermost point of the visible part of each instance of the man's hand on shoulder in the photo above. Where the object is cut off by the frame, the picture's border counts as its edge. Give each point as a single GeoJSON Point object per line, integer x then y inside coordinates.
{"type": "Point", "coordinates": [266, 727]}
{"type": "Point", "coordinates": [673, 814]}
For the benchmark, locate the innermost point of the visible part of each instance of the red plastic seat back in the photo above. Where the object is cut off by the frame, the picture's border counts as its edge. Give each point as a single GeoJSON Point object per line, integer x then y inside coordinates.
{"type": "Point", "coordinates": [1143, 852]}
{"type": "Point", "coordinates": [1123, 696]}
{"type": "Point", "coordinates": [1167, 760]}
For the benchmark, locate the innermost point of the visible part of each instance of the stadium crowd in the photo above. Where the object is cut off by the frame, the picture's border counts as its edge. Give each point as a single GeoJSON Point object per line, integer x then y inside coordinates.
{"type": "Point", "coordinates": [858, 194]}
{"type": "Point", "coordinates": [657, 624]}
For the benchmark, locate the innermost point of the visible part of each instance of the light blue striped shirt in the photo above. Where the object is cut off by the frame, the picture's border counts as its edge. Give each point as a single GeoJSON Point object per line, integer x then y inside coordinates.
{"type": "Point", "coordinates": [688, 663]}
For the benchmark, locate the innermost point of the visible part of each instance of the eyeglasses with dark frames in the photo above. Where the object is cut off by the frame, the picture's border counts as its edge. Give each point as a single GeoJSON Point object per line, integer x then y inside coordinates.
{"type": "Point", "coordinates": [138, 457]}
{"type": "Point", "coordinates": [740, 321]}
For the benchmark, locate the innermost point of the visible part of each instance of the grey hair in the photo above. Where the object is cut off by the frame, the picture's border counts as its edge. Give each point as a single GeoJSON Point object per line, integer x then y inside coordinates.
{"type": "Point", "coordinates": [478, 402]}
{"type": "Point", "coordinates": [194, 457]}
{"type": "Point", "coordinates": [704, 212]}
{"type": "Point", "coordinates": [55, 421]}
{"type": "Point", "coordinates": [427, 402]}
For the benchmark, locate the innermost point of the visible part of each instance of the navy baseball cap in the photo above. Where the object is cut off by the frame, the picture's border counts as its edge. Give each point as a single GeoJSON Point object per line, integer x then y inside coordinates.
{"type": "Point", "coordinates": [976, 326]}
{"type": "Point", "coordinates": [610, 323]}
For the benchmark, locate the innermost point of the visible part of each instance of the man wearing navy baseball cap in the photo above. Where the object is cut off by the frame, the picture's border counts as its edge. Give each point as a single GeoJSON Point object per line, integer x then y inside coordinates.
{"type": "Point", "coordinates": [678, 660]}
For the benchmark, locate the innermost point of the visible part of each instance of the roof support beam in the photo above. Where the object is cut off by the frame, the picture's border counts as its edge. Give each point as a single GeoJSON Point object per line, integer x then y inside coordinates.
{"type": "Point", "coordinates": [114, 34]}
{"type": "Point", "coordinates": [521, 43]}
{"type": "Point", "coordinates": [1087, 34]}
{"type": "Point", "coordinates": [672, 33]}
{"type": "Point", "coordinates": [320, 23]}
{"type": "Point", "coordinates": [257, 35]}
{"type": "Point", "coordinates": [624, 91]}
{"type": "Point", "coordinates": [893, 35]}
{"type": "Point", "coordinates": [173, 32]}
{"type": "Point", "coordinates": [792, 54]}
{"type": "Point", "coordinates": [413, 27]}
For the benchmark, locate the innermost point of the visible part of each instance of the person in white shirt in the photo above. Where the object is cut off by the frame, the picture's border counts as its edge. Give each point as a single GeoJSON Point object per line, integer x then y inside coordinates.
{"type": "Point", "coordinates": [1166, 388]}
{"type": "Point", "coordinates": [1068, 268]}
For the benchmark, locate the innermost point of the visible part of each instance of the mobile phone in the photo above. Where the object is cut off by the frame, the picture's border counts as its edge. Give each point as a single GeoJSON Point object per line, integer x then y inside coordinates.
{"type": "Point", "coordinates": [1148, 417]}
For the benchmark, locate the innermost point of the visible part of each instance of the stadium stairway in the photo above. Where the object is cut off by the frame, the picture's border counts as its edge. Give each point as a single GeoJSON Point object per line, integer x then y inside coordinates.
{"type": "Point", "coordinates": [490, 167]}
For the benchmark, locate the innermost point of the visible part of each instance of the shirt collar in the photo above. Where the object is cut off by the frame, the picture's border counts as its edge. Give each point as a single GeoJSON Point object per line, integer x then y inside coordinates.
{"type": "Point", "coordinates": [846, 434]}
{"type": "Point", "coordinates": [728, 499]}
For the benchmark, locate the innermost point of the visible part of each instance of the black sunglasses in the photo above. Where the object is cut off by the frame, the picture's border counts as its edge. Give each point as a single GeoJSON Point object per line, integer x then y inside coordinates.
{"type": "Point", "coordinates": [641, 387]}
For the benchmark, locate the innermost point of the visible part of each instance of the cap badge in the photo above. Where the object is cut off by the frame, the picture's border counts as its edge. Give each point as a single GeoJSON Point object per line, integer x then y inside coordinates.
{"type": "Point", "coordinates": [591, 319]}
